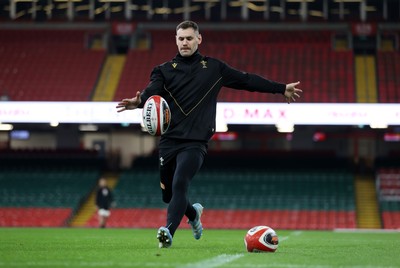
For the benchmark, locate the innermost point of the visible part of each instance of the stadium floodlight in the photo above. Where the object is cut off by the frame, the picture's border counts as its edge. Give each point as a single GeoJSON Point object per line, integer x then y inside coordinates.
{"type": "Point", "coordinates": [26, 1]}
{"type": "Point", "coordinates": [112, 1]}
{"type": "Point", "coordinates": [207, 1]}
{"type": "Point", "coordinates": [285, 127]}
{"type": "Point", "coordinates": [6, 127]}
{"type": "Point", "coordinates": [221, 125]}
{"type": "Point", "coordinates": [347, 1]}
{"type": "Point", "coordinates": [54, 124]}
{"type": "Point", "coordinates": [378, 125]}
{"type": "Point", "coordinates": [65, 1]}
{"type": "Point", "coordinates": [299, 1]}
{"type": "Point", "coordinates": [88, 127]}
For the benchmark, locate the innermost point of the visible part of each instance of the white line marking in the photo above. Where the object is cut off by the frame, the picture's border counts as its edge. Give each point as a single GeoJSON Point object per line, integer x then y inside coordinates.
{"type": "Point", "coordinates": [366, 230]}
{"type": "Point", "coordinates": [83, 264]}
{"type": "Point", "coordinates": [288, 265]}
{"type": "Point", "coordinates": [196, 265]}
{"type": "Point", "coordinates": [283, 238]}
{"type": "Point", "coordinates": [213, 262]}
{"type": "Point", "coordinates": [296, 233]}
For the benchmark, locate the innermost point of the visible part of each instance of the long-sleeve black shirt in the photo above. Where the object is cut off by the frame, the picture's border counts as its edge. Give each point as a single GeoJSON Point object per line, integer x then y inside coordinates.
{"type": "Point", "coordinates": [191, 85]}
{"type": "Point", "coordinates": [104, 198]}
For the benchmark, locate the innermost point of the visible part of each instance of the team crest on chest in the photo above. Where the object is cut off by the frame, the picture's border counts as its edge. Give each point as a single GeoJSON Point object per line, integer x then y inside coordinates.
{"type": "Point", "coordinates": [204, 63]}
{"type": "Point", "coordinates": [174, 65]}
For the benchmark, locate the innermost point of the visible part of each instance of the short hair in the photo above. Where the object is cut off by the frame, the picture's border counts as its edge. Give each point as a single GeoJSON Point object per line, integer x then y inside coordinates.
{"type": "Point", "coordinates": [188, 24]}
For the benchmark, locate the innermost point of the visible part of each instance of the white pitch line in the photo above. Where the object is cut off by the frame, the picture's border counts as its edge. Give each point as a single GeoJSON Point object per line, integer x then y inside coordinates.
{"type": "Point", "coordinates": [367, 230]}
{"type": "Point", "coordinates": [289, 265]}
{"type": "Point", "coordinates": [295, 233]}
{"type": "Point", "coordinates": [213, 262]}
{"type": "Point", "coordinates": [84, 264]}
{"type": "Point", "coordinates": [283, 238]}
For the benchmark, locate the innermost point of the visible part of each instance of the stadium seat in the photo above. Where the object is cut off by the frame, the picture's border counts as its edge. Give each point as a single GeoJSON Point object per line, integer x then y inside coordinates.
{"type": "Point", "coordinates": [244, 196]}
{"type": "Point", "coordinates": [329, 74]}
{"type": "Point", "coordinates": [388, 187]}
{"type": "Point", "coordinates": [33, 194]}
{"type": "Point", "coordinates": [48, 65]}
{"type": "Point", "coordinates": [388, 67]}
{"type": "Point", "coordinates": [34, 217]}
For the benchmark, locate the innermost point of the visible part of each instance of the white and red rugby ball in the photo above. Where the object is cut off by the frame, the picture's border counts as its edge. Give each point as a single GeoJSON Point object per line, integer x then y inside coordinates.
{"type": "Point", "coordinates": [261, 239]}
{"type": "Point", "coordinates": [156, 115]}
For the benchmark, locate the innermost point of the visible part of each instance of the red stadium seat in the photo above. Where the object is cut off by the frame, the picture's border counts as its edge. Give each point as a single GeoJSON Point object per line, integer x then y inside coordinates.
{"type": "Point", "coordinates": [388, 69]}
{"type": "Point", "coordinates": [235, 219]}
{"type": "Point", "coordinates": [47, 65]}
{"type": "Point", "coordinates": [328, 75]}
{"type": "Point", "coordinates": [34, 217]}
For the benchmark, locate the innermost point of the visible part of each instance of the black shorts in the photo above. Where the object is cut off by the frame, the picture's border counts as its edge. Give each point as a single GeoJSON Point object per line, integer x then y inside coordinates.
{"type": "Point", "coordinates": [192, 155]}
{"type": "Point", "coordinates": [169, 148]}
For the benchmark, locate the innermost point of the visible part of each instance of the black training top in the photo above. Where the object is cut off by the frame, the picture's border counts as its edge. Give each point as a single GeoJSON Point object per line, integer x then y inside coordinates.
{"type": "Point", "coordinates": [191, 85]}
{"type": "Point", "coordinates": [104, 197]}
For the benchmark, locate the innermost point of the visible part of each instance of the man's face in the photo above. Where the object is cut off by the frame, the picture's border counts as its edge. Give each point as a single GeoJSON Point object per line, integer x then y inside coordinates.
{"type": "Point", "coordinates": [102, 183]}
{"type": "Point", "coordinates": [187, 41]}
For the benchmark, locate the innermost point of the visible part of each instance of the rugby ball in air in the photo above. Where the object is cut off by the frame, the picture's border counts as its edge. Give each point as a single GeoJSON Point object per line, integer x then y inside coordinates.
{"type": "Point", "coordinates": [156, 115]}
{"type": "Point", "coordinates": [261, 239]}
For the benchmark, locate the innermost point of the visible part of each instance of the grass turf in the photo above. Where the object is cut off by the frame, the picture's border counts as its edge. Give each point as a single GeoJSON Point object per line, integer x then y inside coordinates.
{"type": "Point", "coordinates": [43, 247]}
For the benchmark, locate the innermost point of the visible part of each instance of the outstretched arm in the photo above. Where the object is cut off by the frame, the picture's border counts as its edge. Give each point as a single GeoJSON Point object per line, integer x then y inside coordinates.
{"type": "Point", "coordinates": [153, 88]}
{"type": "Point", "coordinates": [236, 79]}
{"type": "Point", "coordinates": [291, 92]}
{"type": "Point", "coordinates": [129, 104]}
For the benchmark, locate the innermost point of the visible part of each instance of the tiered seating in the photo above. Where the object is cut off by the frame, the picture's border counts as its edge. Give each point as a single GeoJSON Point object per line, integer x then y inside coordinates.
{"type": "Point", "coordinates": [286, 57]}
{"type": "Point", "coordinates": [42, 197]}
{"type": "Point", "coordinates": [327, 75]}
{"type": "Point", "coordinates": [138, 67]}
{"type": "Point", "coordinates": [275, 190]}
{"type": "Point", "coordinates": [389, 183]}
{"type": "Point", "coordinates": [134, 218]}
{"type": "Point", "coordinates": [136, 73]}
{"type": "Point", "coordinates": [47, 65]}
{"type": "Point", "coordinates": [388, 64]}
{"type": "Point", "coordinates": [43, 191]}
{"type": "Point", "coordinates": [259, 37]}
{"type": "Point", "coordinates": [390, 214]}
{"type": "Point", "coordinates": [44, 187]}
{"type": "Point", "coordinates": [388, 180]}
{"type": "Point", "coordinates": [138, 188]}
{"type": "Point", "coordinates": [300, 200]}
{"type": "Point", "coordinates": [244, 195]}
{"type": "Point", "coordinates": [34, 217]}
{"type": "Point", "coordinates": [138, 200]}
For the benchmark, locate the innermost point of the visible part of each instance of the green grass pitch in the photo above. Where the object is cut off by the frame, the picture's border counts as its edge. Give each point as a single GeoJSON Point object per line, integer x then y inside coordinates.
{"type": "Point", "coordinates": [69, 247]}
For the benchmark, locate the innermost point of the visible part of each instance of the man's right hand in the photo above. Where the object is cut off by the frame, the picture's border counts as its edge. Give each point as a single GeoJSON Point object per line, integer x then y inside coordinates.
{"type": "Point", "coordinates": [129, 104]}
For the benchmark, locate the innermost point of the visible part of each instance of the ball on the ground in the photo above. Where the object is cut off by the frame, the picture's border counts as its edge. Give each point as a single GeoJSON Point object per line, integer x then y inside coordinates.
{"type": "Point", "coordinates": [261, 239]}
{"type": "Point", "coordinates": [156, 115]}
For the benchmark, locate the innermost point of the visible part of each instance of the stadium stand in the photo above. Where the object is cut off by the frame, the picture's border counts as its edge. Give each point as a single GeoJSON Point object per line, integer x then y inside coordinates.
{"type": "Point", "coordinates": [388, 69]}
{"type": "Point", "coordinates": [30, 68]}
{"type": "Point", "coordinates": [50, 65]}
{"type": "Point", "coordinates": [243, 196]}
{"type": "Point", "coordinates": [272, 54]}
{"type": "Point", "coordinates": [33, 217]}
{"type": "Point", "coordinates": [34, 194]}
{"type": "Point", "coordinates": [388, 187]}
{"type": "Point", "coordinates": [138, 67]}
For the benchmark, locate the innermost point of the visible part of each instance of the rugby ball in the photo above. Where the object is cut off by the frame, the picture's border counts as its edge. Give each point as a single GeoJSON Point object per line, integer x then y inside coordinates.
{"type": "Point", "coordinates": [156, 115]}
{"type": "Point", "coordinates": [261, 239]}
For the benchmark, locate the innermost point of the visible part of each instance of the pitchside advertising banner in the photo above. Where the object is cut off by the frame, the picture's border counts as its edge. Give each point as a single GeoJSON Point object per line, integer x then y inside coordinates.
{"type": "Point", "coordinates": [229, 113]}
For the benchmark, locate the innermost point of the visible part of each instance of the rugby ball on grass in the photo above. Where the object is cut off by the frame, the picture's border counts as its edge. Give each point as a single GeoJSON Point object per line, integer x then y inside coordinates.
{"type": "Point", "coordinates": [156, 115]}
{"type": "Point", "coordinates": [261, 239]}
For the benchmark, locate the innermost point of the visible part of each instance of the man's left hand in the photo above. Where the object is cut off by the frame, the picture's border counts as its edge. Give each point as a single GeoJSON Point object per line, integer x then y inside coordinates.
{"type": "Point", "coordinates": [291, 92]}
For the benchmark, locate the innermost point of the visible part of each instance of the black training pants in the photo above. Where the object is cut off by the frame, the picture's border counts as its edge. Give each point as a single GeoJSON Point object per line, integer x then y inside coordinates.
{"type": "Point", "coordinates": [177, 169]}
